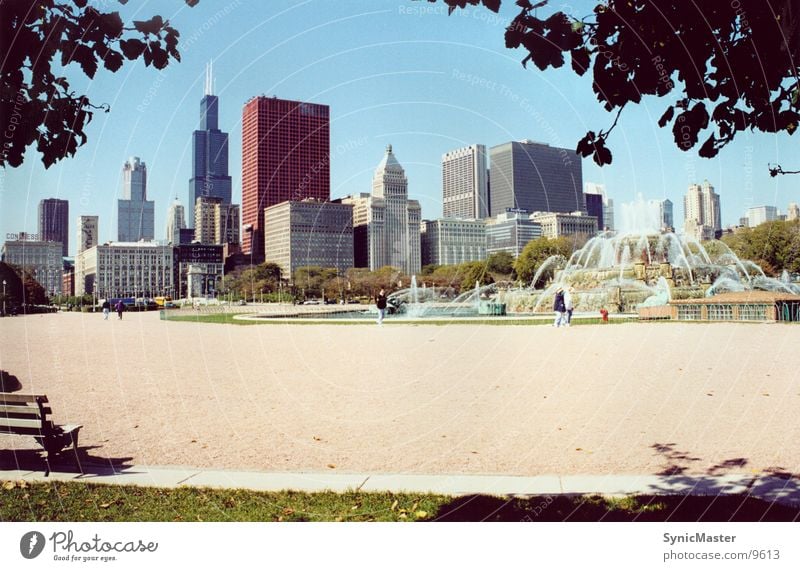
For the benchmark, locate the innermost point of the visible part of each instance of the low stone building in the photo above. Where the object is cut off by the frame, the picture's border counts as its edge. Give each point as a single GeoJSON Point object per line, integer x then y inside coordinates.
{"type": "Point", "coordinates": [739, 306]}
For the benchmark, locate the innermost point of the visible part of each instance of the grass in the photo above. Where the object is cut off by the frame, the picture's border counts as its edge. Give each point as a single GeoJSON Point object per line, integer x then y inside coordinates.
{"type": "Point", "coordinates": [76, 501]}
{"type": "Point", "coordinates": [227, 319]}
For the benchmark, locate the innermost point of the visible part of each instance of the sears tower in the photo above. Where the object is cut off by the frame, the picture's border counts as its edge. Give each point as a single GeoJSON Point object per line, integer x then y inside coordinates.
{"type": "Point", "coordinates": [209, 153]}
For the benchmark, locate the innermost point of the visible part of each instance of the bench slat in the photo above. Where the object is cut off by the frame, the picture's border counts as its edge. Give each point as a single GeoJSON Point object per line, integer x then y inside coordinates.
{"type": "Point", "coordinates": [14, 397]}
{"type": "Point", "coordinates": [21, 431]}
{"type": "Point", "coordinates": [22, 409]}
{"type": "Point", "coordinates": [20, 423]}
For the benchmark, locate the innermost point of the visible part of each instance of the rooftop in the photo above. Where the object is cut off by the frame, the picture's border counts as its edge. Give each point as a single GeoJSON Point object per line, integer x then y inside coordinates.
{"type": "Point", "coordinates": [753, 296]}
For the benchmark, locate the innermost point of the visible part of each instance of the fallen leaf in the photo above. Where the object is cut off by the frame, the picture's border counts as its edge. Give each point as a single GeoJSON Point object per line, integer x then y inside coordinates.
{"type": "Point", "coordinates": [331, 466]}
{"type": "Point", "coordinates": [288, 511]}
{"type": "Point", "coordinates": [105, 506]}
{"type": "Point", "coordinates": [421, 514]}
{"type": "Point", "coordinates": [9, 485]}
{"type": "Point", "coordinates": [402, 516]}
{"type": "Point", "coordinates": [22, 484]}
{"type": "Point", "coordinates": [579, 449]}
{"type": "Point", "coordinates": [317, 438]}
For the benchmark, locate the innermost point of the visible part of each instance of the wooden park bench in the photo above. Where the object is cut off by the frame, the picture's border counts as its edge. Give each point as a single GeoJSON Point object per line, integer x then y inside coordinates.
{"type": "Point", "coordinates": [27, 415]}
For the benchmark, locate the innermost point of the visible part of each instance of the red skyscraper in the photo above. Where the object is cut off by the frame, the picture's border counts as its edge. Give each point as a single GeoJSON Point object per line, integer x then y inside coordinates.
{"type": "Point", "coordinates": [285, 156]}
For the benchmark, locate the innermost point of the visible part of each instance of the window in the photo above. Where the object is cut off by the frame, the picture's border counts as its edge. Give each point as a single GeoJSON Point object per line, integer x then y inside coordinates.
{"type": "Point", "coordinates": [689, 312]}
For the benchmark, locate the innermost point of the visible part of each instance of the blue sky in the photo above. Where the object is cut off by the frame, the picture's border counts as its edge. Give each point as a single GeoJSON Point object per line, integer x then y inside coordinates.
{"type": "Point", "coordinates": [392, 71]}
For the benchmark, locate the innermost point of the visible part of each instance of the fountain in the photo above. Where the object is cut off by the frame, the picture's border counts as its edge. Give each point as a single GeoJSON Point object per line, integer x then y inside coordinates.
{"type": "Point", "coordinates": [641, 266]}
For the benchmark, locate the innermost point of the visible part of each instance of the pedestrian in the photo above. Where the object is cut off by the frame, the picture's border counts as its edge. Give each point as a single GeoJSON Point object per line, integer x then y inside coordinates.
{"type": "Point", "coordinates": [380, 301]}
{"type": "Point", "coordinates": [558, 307]}
{"type": "Point", "coordinates": [568, 305]}
{"type": "Point", "coordinates": [120, 307]}
{"type": "Point", "coordinates": [106, 310]}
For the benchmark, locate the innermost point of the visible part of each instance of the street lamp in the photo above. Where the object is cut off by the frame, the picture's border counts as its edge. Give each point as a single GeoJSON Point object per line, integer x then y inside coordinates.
{"type": "Point", "coordinates": [4, 298]}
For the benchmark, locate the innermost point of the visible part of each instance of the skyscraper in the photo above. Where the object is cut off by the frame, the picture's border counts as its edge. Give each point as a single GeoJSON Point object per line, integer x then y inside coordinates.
{"type": "Point", "coordinates": [465, 185]}
{"type": "Point", "coordinates": [136, 214]}
{"type": "Point", "coordinates": [665, 212]}
{"type": "Point", "coordinates": [215, 222]}
{"type": "Point", "coordinates": [176, 220]}
{"type": "Point", "coordinates": [54, 222]}
{"type": "Point", "coordinates": [793, 212]}
{"type": "Point", "coordinates": [209, 152]}
{"type": "Point", "coordinates": [285, 156]}
{"type": "Point", "coordinates": [87, 232]}
{"type": "Point", "coordinates": [608, 204]}
{"type": "Point", "coordinates": [535, 177]}
{"type": "Point", "coordinates": [386, 224]}
{"type": "Point", "coordinates": [701, 211]}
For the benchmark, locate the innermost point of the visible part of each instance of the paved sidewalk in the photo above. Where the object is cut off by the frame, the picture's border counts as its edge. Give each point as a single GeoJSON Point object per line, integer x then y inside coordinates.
{"type": "Point", "coordinates": [768, 488]}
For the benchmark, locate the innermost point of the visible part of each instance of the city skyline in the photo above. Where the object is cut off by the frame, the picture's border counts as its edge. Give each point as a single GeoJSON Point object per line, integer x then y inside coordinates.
{"type": "Point", "coordinates": [390, 74]}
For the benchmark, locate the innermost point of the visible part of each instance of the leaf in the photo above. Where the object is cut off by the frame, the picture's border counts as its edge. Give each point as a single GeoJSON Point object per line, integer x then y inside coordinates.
{"type": "Point", "coordinates": [586, 145]}
{"type": "Point", "coordinates": [113, 60]}
{"type": "Point", "coordinates": [151, 26]}
{"type": "Point", "coordinates": [132, 48]}
{"type": "Point", "coordinates": [192, 3]}
{"type": "Point", "coordinates": [709, 148]}
{"type": "Point", "coordinates": [667, 116]}
{"type": "Point", "coordinates": [421, 514]}
{"type": "Point", "coordinates": [602, 155]}
{"type": "Point", "coordinates": [86, 58]}
{"type": "Point", "coordinates": [9, 485]}
{"type": "Point", "coordinates": [493, 5]}
{"type": "Point", "coordinates": [580, 60]}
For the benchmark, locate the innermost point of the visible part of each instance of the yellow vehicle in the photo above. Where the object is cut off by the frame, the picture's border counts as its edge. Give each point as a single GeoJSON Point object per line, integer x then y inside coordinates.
{"type": "Point", "coordinates": [163, 301]}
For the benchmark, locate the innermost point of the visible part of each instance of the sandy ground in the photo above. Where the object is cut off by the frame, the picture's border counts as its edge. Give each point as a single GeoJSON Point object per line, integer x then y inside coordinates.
{"type": "Point", "coordinates": [634, 398]}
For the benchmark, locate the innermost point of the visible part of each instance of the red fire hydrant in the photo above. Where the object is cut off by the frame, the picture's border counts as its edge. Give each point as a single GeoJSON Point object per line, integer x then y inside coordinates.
{"type": "Point", "coordinates": [604, 315]}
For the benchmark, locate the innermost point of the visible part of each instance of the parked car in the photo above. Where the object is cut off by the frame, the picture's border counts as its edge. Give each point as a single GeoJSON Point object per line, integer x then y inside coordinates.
{"type": "Point", "coordinates": [242, 302]}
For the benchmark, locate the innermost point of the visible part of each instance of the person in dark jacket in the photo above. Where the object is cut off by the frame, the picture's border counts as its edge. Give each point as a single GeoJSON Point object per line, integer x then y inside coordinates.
{"type": "Point", "coordinates": [559, 307]}
{"type": "Point", "coordinates": [106, 310]}
{"type": "Point", "coordinates": [380, 301]}
{"type": "Point", "coordinates": [120, 307]}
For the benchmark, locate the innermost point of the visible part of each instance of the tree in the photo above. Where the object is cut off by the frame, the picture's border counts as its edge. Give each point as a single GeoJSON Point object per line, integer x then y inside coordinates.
{"type": "Point", "coordinates": [33, 291]}
{"type": "Point", "coordinates": [36, 40]}
{"type": "Point", "coordinates": [500, 263]}
{"type": "Point", "coordinates": [727, 66]}
{"type": "Point", "coordinates": [536, 252]}
{"type": "Point", "coordinates": [312, 279]}
{"type": "Point", "coordinates": [472, 273]}
{"type": "Point", "coordinates": [775, 246]}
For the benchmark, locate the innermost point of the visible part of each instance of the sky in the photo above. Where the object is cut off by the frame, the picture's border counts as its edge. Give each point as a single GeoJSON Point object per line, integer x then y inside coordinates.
{"type": "Point", "coordinates": [394, 72]}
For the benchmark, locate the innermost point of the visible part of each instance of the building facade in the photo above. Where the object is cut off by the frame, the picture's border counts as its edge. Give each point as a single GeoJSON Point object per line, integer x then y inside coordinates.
{"type": "Point", "coordinates": [88, 232]}
{"type": "Point", "coordinates": [209, 152]}
{"type": "Point", "coordinates": [386, 223]}
{"type": "Point", "coordinates": [176, 221]}
{"type": "Point", "coordinates": [54, 222]}
{"type": "Point", "coordinates": [535, 177]}
{"type": "Point", "coordinates": [449, 241]}
{"type": "Point", "coordinates": [555, 224]}
{"type": "Point", "coordinates": [285, 156]}
{"type": "Point", "coordinates": [510, 232]}
{"type": "Point", "coordinates": [465, 184]}
{"type": "Point", "coordinates": [594, 207]}
{"type": "Point", "coordinates": [793, 211]}
{"type": "Point", "coordinates": [608, 204]}
{"type": "Point", "coordinates": [760, 214]}
{"type": "Point", "coordinates": [135, 214]}
{"type": "Point", "coordinates": [702, 211]}
{"type": "Point", "coordinates": [126, 269]}
{"type": "Point", "coordinates": [665, 213]}
{"type": "Point", "coordinates": [216, 222]}
{"type": "Point", "coordinates": [199, 269]}
{"type": "Point", "coordinates": [42, 259]}
{"type": "Point", "coordinates": [309, 233]}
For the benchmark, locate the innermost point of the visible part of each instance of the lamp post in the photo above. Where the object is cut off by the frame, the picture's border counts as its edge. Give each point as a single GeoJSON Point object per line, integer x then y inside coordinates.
{"type": "Point", "coordinates": [4, 298]}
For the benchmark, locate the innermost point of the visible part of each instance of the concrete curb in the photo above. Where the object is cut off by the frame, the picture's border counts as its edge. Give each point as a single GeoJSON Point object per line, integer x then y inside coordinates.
{"type": "Point", "coordinates": [768, 488]}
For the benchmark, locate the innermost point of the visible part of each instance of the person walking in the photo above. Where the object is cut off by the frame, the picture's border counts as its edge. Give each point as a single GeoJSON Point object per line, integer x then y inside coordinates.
{"type": "Point", "coordinates": [106, 310]}
{"type": "Point", "coordinates": [120, 307]}
{"type": "Point", "coordinates": [558, 307]}
{"type": "Point", "coordinates": [568, 305]}
{"type": "Point", "coordinates": [380, 301]}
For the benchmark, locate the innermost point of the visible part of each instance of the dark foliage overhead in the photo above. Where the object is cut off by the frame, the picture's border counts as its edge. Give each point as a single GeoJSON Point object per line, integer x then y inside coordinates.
{"type": "Point", "coordinates": [37, 39]}
{"type": "Point", "coordinates": [724, 66]}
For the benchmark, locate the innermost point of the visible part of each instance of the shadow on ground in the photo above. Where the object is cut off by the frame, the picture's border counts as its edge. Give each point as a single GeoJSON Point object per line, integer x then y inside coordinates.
{"type": "Point", "coordinates": [689, 508]}
{"type": "Point", "coordinates": [33, 460]}
{"type": "Point", "coordinates": [9, 383]}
